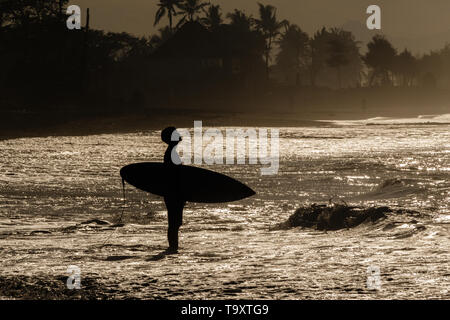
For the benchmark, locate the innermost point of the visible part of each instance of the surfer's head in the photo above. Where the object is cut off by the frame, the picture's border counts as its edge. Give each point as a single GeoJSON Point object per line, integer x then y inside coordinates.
{"type": "Point", "coordinates": [170, 135]}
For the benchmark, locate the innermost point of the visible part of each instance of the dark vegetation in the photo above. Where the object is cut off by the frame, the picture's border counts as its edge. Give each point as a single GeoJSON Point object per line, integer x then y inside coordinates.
{"type": "Point", "coordinates": [203, 59]}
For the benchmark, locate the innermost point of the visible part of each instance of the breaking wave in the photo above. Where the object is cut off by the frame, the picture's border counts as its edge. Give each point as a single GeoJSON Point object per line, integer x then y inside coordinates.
{"type": "Point", "coordinates": [393, 188]}
{"type": "Point", "coordinates": [419, 120]}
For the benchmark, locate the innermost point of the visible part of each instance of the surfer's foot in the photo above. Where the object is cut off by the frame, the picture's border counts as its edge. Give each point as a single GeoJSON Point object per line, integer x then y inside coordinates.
{"type": "Point", "coordinates": [171, 250]}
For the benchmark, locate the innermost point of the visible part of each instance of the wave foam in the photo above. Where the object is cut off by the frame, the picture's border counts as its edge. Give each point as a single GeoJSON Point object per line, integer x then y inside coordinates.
{"type": "Point", "coordinates": [421, 119]}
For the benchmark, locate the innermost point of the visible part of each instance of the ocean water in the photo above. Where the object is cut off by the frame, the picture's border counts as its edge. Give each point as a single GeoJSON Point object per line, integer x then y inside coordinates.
{"type": "Point", "coordinates": [51, 187]}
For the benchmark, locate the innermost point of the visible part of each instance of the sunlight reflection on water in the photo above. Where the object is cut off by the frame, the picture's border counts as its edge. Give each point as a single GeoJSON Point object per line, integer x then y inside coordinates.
{"type": "Point", "coordinates": [79, 175]}
{"type": "Point", "coordinates": [53, 184]}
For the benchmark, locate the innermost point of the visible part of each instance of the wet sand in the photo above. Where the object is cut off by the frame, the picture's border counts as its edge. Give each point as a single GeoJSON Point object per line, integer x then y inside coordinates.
{"type": "Point", "coordinates": [220, 263]}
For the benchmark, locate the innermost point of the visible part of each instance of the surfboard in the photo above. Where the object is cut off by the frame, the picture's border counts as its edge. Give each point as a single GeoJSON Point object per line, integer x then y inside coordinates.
{"type": "Point", "coordinates": [193, 184]}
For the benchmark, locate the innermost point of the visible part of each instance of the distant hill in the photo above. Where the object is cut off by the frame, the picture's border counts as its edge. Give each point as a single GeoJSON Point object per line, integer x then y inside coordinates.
{"type": "Point", "coordinates": [418, 44]}
{"type": "Point", "coordinates": [423, 44]}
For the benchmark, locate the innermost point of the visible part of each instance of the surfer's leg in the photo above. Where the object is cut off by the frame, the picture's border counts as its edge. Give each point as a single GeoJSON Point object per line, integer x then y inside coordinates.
{"type": "Point", "coordinates": [175, 222]}
{"type": "Point", "coordinates": [175, 218]}
{"type": "Point", "coordinates": [172, 235]}
{"type": "Point", "coordinates": [172, 231]}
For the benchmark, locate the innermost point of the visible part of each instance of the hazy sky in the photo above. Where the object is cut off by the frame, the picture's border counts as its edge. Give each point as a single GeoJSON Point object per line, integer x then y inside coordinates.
{"type": "Point", "coordinates": [418, 24]}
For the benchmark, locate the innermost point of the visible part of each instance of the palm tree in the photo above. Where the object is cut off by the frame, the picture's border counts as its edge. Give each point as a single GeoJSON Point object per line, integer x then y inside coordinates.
{"type": "Point", "coordinates": [213, 17]}
{"type": "Point", "coordinates": [167, 7]}
{"type": "Point", "coordinates": [270, 27]}
{"type": "Point", "coordinates": [293, 51]}
{"type": "Point", "coordinates": [190, 9]}
{"type": "Point", "coordinates": [343, 51]}
{"type": "Point", "coordinates": [380, 58]}
{"type": "Point", "coordinates": [318, 53]}
{"type": "Point", "coordinates": [240, 20]}
{"type": "Point", "coordinates": [406, 67]}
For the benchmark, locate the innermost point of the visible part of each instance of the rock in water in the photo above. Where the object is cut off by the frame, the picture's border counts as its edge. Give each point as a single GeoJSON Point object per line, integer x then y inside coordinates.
{"type": "Point", "coordinates": [332, 217]}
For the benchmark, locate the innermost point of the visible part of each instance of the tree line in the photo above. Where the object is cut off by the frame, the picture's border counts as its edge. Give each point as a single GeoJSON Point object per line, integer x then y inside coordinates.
{"type": "Point", "coordinates": [302, 57]}
{"type": "Point", "coordinates": [36, 45]}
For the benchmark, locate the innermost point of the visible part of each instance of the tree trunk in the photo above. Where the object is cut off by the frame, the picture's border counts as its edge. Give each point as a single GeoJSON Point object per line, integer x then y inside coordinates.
{"type": "Point", "coordinates": [297, 68]}
{"type": "Point", "coordinates": [85, 62]}
{"type": "Point", "coordinates": [313, 72]}
{"type": "Point", "coordinates": [60, 9]}
{"type": "Point", "coordinates": [312, 78]}
{"type": "Point", "coordinates": [372, 78]}
{"type": "Point", "coordinates": [269, 47]}
{"type": "Point", "coordinates": [339, 77]}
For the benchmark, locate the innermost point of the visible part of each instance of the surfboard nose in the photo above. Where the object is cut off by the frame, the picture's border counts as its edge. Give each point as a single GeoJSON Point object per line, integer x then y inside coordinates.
{"type": "Point", "coordinates": [125, 172]}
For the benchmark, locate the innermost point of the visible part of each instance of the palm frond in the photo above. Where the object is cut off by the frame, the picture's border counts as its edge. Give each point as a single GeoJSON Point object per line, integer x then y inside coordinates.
{"type": "Point", "coordinates": [159, 14]}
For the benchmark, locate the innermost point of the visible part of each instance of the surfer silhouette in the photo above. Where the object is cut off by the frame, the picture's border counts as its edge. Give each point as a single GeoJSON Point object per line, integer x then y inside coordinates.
{"type": "Point", "coordinates": [173, 199]}
{"type": "Point", "coordinates": [179, 183]}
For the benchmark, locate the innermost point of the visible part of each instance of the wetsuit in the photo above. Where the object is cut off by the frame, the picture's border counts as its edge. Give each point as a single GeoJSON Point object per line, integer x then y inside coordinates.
{"type": "Point", "coordinates": [173, 199]}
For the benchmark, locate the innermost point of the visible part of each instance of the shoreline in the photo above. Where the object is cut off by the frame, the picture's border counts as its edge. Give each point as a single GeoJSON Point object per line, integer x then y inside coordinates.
{"type": "Point", "coordinates": [275, 107]}
{"type": "Point", "coordinates": [139, 122]}
{"type": "Point", "coordinates": [79, 124]}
